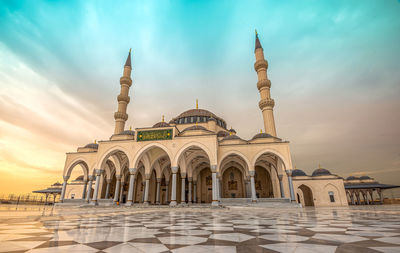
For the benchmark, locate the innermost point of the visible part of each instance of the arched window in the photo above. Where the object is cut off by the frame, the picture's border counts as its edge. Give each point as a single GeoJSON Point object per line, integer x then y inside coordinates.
{"type": "Point", "coordinates": [331, 196]}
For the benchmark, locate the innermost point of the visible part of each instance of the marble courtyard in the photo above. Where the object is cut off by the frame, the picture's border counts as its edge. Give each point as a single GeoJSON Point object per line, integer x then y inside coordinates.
{"type": "Point", "coordinates": [202, 229]}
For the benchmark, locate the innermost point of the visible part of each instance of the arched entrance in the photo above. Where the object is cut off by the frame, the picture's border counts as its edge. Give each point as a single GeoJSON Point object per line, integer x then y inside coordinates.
{"type": "Point", "coordinates": [233, 183]}
{"type": "Point", "coordinates": [263, 183]}
{"type": "Point", "coordinates": [139, 188]}
{"type": "Point", "coordinates": [306, 196]}
{"type": "Point", "coordinates": [204, 186]}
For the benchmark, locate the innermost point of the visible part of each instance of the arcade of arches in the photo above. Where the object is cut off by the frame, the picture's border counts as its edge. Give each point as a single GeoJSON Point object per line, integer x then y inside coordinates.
{"type": "Point", "coordinates": [194, 180]}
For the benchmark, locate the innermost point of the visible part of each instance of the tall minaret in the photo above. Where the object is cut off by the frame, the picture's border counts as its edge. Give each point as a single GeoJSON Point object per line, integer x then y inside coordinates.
{"type": "Point", "coordinates": [123, 98]}
{"type": "Point", "coordinates": [266, 103]}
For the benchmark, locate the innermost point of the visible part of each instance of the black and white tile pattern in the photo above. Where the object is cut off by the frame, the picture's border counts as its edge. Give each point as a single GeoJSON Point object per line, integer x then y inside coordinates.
{"type": "Point", "coordinates": [119, 229]}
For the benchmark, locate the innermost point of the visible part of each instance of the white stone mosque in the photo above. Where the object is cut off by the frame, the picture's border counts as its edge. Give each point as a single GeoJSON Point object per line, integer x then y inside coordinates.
{"type": "Point", "coordinates": [195, 158]}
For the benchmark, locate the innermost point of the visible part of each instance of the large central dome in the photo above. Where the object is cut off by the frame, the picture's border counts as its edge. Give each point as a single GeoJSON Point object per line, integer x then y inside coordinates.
{"type": "Point", "coordinates": [198, 115]}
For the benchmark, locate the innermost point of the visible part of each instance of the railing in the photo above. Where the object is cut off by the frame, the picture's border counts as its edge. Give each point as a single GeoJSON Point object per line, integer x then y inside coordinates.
{"type": "Point", "coordinates": [28, 199]}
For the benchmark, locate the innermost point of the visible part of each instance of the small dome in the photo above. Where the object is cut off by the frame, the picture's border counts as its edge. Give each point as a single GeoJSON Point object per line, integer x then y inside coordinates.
{"type": "Point", "coordinates": [352, 178]}
{"type": "Point", "coordinates": [232, 130]}
{"type": "Point", "coordinates": [365, 177]}
{"type": "Point", "coordinates": [262, 135]}
{"type": "Point", "coordinates": [222, 134]}
{"type": "Point", "coordinates": [80, 178]}
{"type": "Point", "coordinates": [56, 184]}
{"type": "Point", "coordinates": [321, 172]}
{"type": "Point", "coordinates": [161, 124]}
{"type": "Point", "coordinates": [92, 145]}
{"type": "Point", "coordinates": [127, 132]}
{"type": "Point", "coordinates": [298, 173]}
{"type": "Point", "coordinates": [231, 137]}
{"type": "Point", "coordinates": [195, 127]}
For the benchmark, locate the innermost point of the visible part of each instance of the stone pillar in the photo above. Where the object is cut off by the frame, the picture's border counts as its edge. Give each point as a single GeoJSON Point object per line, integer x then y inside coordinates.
{"type": "Point", "coordinates": [89, 190]}
{"type": "Point", "coordinates": [166, 192]}
{"type": "Point", "coordinates": [108, 188]}
{"type": "Point", "coordinates": [121, 190]}
{"type": "Point", "coordinates": [116, 193]}
{"type": "Point", "coordinates": [253, 186]}
{"type": "Point", "coordinates": [158, 191]}
{"type": "Point", "coordinates": [218, 187]}
{"type": "Point", "coordinates": [289, 173]}
{"type": "Point", "coordinates": [174, 170]}
{"type": "Point", "coordinates": [183, 189]}
{"type": "Point", "coordinates": [190, 190]}
{"type": "Point", "coordinates": [248, 188]}
{"type": "Point", "coordinates": [281, 186]}
{"type": "Point", "coordinates": [381, 196]}
{"type": "Point", "coordinates": [132, 174]}
{"type": "Point", "coordinates": [194, 191]}
{"type": "Point", "coordinates": [214, 185]}
{"type": "Point", "coordinates": [64, 187]}
{"type": "Point", "coordinates": [146, 190]}
{"type": "Point", "coordinates": [96, 186]}
{"type": "Point", "coordinates": [84, 189]}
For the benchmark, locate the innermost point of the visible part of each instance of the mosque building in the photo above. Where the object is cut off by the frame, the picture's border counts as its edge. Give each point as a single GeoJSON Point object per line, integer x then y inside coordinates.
{"type": "Point", "coordinates": [195, 158]}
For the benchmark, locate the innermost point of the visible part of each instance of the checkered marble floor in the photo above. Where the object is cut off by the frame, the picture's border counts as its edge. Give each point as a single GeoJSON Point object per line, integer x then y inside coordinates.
{"type": "Point", "coordinates": [121, 229]}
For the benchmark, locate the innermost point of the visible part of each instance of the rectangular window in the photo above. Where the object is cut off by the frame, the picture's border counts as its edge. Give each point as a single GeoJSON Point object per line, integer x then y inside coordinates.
{"type": "Point", "coordinates": [331, 196]}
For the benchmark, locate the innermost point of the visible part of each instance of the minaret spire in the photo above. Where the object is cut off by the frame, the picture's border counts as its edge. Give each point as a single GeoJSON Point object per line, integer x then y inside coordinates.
{"type": "Point", "coordinates": [123, 98]}
{"type": "Point", "coordinates": [266, 103]}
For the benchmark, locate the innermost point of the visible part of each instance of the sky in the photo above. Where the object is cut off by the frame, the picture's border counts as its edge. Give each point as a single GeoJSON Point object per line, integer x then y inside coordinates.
{"type": "Point", "coordinates": [334, 68]}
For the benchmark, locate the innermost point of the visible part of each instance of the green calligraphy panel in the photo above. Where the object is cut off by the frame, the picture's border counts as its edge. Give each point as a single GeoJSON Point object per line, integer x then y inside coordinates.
{"type": "Point", "coordinates": [154, 135]}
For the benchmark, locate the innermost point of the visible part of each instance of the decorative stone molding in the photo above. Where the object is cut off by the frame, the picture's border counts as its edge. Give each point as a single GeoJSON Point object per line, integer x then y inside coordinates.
{"type": "Point", "coordinates": [118, 177]}
{"type": "Point", "coordinates": [263, 83]}
{"type": "Point", "coordinates": [190, 179]}
{"type": "Point", "coordinates": [183, 175]}
{"type": "Point", "coordinates": [266, 103]}
{"type": "Point", "coordinates": [108, 181]}
{"type": "Point", "coordinates": [252, 173]}
{"type": "Point", "coordinates": [289, 173]}
{"type": "Point", "coordinates": [174, 170]}
{"type": "Point", "coordinates": [132, 171]}
{"type": "Point", "coordinates": [280, 177]}
{"type": "Point", "coordinates": [91, 178]}
{"type": "Point", "coordinates": [213, 168]}
{"type": "Point", "coordinates": [98, 172]}
{"type": "Point", "coordinates": [66, 178]}
{"type": "Point", "coordinates": [158, 180]}
{"type": "Point", "coordinates": [260, 64]}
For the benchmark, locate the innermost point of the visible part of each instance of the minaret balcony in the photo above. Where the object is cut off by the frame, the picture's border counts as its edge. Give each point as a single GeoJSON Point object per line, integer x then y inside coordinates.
{"type": "Point", "coordinates": [263, 84]}
{"type": "Point", "coordinates": [260, 64]}
{"type": "Point", "coordinates": [125, 80]}
{"type": "Point", "coordinates": [122, 98]}
{"type": "Point", "coordinates": [266, 103]}
{"type": "Point", "coordinates": [120, 115]}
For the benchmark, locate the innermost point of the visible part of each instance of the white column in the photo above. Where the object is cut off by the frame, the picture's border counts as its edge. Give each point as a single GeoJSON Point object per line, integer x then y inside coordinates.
{"type": "Point", "coordinates": [183, 189]}
{"type": "Point", "coordinates": [190, 190]}
{"type": "Point", "coordinates": [214, 185]}
{"type": "Point", "coordinates": [219, 189]}
{"type": "Point", "coordinates": [158, 191]}
{"type": "Point", "coordinates": [108, 188]}
{"type": "Point", "coordinates": [146, 190]}
{"type": "Point", "coordinates": [292, 198]}
{"type": "Point", "coordinates": [121, 190]}
{"type": "Point", "coordinates": [166, 192]}
{"type": "Point", "coordinates": [132, 173]}
{"type": "Point", "coordinates": [281, 186]}
{"type": "Point", "coordinates": [84, 189]}
{"type": "Point", "coordinates": [116, 193]}
{"type": "Point", "coordinates": [173, 189]}
{"type": "Point", "coordinates": [96, 186]}
{"type": "Point", "coordinates": [64, 187]}
{"type": "Point", "coordinates": [253, 186]}
{"type": "Point", "coordinates": [195, 191]}
{"type": "Point", "coordinates": [89, 190]}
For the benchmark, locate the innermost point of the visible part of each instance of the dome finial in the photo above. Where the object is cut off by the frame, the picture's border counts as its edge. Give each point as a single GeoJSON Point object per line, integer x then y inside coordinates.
{"type": "Point", "coordinates": [319, 166]}
{"type": "Point", "coordinates": [162, 119]}
{"type": "Point", "coordinates": [197, 103]}
{"type": "Point", "coordinates": [95, 142]}
{"type": "Point", "coordinates": [130, 128]}
{"type": "Point", "coordinates": [256, 31]}
{"type": "Point", "coordinates": [260, 131]}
